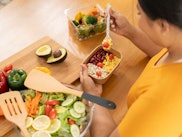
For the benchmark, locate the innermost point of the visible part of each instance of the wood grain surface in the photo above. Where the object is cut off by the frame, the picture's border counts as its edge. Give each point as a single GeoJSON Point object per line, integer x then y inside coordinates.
{"type": "Point", "coordinates": [66, 71]}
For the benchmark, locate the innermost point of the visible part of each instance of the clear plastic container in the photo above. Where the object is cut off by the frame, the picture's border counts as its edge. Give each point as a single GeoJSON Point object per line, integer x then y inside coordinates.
{"type": "Point", "coordinates": [83, 26]}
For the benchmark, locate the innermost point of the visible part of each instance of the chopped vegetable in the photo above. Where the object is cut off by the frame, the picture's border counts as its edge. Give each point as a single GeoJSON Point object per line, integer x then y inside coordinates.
{"type": "Point", "coordinates": [91, 20]}
{"type": "Point", "coordinates": [32, 104]}
{"type": "Point", "coordinates": [52, 113]}
{"type": "Point", "coordinates": [44, 69]}
{"type": "Point", "coordinates": [3, 83]}
{"type": "Point", "coordinates": [52, 102]}
{"type": "Point", "coordinates": [7, 69]}
{"type": "Point", "coordinates": [16, 79]}
{"type": "Point", "coordinates": [47, 109]}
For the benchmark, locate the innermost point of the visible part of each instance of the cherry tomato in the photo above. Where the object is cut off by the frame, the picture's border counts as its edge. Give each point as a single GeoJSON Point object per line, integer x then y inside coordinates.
{"type": "Point", "coordinates": [8, 67]}
{"type": "Point", "coordinates": [52, 113]}
{"type": "Point", "coordinates": [52, 102]}
{"type": "Point", "coordinates": [98, 73]}
{"type": "Point", "coordinates": [105, 44]}
{"type": "Point", "coordinates": [70, 121]}
{"type": "Point", "coordinates": [100, 64]}
{"type": "Point", "coordinates": [48, 108]}
{"type": "Point", "coordinates": [111, 56]}
{"type": "Point", "coordinates": [7, 73]}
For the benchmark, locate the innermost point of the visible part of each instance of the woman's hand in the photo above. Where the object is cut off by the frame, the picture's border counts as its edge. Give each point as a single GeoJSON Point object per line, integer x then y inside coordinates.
{"type": "Point", "coordinates": [88, 84]}
{"type": "Point", "coordinates": [119, 23]}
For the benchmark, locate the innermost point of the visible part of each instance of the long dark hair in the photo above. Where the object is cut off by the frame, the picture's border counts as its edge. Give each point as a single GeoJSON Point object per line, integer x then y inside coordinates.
{"type": "Point", "coordinates": [170, 10]}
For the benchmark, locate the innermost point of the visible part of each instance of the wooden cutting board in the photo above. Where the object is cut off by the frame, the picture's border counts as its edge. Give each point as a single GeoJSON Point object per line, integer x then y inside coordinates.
{"type": "Point", "coordinates": [66, 71]}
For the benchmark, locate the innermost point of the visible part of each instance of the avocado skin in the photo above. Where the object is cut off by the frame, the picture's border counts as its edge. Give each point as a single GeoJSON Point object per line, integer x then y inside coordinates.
{"type": "Point", "coordinates": [51, 58]}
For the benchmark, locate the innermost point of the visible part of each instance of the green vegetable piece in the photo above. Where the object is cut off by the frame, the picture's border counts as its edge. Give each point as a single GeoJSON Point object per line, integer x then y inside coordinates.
{"type": "Point", "coordinates": [75, 23]}
{"type": "Point", "coordinates": [72, 97]}
{"type": "Point", "coordinates": [67, 102]}
{"type": "Point", "coordinates": [16, 79]}
{"type": "Point", "coordinates": [74, 113]}
{"type": "Point", "coordinates": [91, 20]}
{"type": "Point", "coordinates": [44, 98]}
{"type": "Point", "coordinates": [75, 131]}
{"type": "Point", "coordinates": [99, 28]}
{"type": "Point", "coordinates": [56, 96]}
{"type": "Point", "coordinates": [61, 109]}
{"type": "Point", "coordinates": [79, 107]}
{"type": "Point", "coordinates": [41, 110]}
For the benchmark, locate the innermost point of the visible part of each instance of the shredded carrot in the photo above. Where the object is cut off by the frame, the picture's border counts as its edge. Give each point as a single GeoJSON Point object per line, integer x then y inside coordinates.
{"type": "Point", "coordinates": [32, 104]}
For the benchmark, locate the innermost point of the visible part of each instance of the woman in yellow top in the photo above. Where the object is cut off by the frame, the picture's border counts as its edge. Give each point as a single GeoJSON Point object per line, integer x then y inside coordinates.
{"type": "Point", "coordinates": [155, 100]}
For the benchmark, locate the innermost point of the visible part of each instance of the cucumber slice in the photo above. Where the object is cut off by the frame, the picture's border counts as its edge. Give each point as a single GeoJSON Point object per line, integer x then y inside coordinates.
{"type": "Point", "coordinates": [72, 96]}
{"type": "Point", "coordinates": [79, 107]}
{"type": "Point", "coordinates": [67, 102]}
{"type": "Point", "coordinates": [75, 131]}
{"type": "Point", "coordinates": [61, 109]}
{"type": "Point", "coordinates": [74, 113]}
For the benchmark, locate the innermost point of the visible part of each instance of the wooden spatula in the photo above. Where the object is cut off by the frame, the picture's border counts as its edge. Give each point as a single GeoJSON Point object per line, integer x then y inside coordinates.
{"type": "Point", "coordinates": [14, 110]}
{"type": "Point", "coordinates": [43, 82]}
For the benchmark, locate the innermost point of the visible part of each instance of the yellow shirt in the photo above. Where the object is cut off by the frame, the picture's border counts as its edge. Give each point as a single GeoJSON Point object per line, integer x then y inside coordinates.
{"type": "Point", "coordinates": [155, 102]}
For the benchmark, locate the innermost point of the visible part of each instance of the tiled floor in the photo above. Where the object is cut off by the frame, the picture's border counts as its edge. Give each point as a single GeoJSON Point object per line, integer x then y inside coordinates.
{"type": "Point", "coordinates": [4, 3]}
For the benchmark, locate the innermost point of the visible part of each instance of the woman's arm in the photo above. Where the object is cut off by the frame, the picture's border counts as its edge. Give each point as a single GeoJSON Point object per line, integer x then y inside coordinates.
{"type": "Point", "coordinates": [121, 26]}
{"type": "Point", "coordinates": [103, 124]}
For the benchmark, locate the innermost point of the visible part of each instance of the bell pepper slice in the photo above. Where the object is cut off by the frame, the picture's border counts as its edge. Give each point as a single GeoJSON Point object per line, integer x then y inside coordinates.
{"type": "Point", "coordinates": [16, 79]}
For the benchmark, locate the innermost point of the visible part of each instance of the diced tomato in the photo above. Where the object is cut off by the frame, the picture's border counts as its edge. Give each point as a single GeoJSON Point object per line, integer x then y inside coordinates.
{"type": "Point", "coordinates": [8, 67]}
{"type": "Point", "coordinates": [52, 102]}
{"type": "Point", "coordinates": [111, 56]}
{"type": "Point", "coordinates": [100, 64]}
{"type": "Point", "coordinates": [70, 121]}
{"type": "Point", "coordinates": [98, 73]}
{"type": "Point", "coordinates": [48, 108]}
{"type": "Point", "coordinates": [52, 113]}
{"type": "Point", "coordinates": [105, 44]}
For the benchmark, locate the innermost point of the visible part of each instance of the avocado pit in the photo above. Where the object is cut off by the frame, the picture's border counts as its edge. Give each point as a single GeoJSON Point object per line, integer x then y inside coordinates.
{"type": "Point", "coordinates": [58, 55]}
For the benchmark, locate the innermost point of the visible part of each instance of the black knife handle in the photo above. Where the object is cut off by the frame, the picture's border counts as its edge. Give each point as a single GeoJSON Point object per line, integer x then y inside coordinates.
{"type": "Point", "coordinates": [99, 100]}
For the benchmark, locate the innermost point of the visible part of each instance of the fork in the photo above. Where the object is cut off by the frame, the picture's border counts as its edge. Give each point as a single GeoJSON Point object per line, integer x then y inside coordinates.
{"type": "Point", "coordinates": [107, 42]}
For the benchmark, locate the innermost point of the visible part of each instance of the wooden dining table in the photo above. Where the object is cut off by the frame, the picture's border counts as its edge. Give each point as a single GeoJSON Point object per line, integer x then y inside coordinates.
{"type": "Point", "coordinates": [23, 23]}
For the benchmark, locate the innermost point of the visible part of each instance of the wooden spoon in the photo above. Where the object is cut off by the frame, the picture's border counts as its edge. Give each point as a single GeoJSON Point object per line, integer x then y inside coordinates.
{"type": "Point", "coordinates": [43, 82]}
{"type": "Point", "coordinates": [14, 110]}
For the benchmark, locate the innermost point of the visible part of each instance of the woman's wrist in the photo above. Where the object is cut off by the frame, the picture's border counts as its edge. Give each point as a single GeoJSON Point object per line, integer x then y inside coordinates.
{"type": "Point", "coordinates": [130, 32]}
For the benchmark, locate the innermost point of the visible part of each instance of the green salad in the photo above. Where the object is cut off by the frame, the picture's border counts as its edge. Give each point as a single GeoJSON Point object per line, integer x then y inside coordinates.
{"type": "Point", "coordinates": [55, 114]}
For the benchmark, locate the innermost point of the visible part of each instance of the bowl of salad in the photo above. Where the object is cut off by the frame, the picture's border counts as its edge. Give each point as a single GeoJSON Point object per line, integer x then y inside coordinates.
{"type": "Point", "coordinates": [56, 114]}
{"type": "Point", "coordinates": [87, 21]}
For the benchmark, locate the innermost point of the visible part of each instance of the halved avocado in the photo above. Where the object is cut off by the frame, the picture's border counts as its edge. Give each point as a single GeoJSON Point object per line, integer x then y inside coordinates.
{"type": "Point", "coordinates": [57, 56]}
{"type": "Point", "coordinates": [43, 50]}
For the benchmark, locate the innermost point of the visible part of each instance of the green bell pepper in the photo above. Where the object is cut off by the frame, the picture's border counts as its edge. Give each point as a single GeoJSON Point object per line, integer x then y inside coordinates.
{"type": "Point", "coordinates": [16, 79]}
